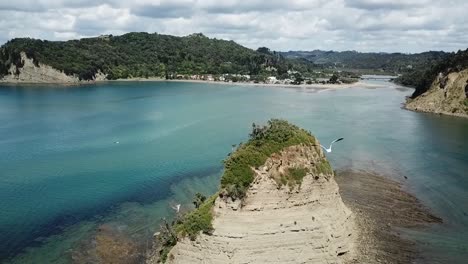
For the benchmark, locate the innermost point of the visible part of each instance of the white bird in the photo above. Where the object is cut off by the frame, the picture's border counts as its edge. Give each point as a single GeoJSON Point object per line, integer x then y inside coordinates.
{"type": "Point", "coordinates": [116, 142]}
{"type": "Point", "coordinates": [329, 149]}
{"type": "Point", "coordinates": [176, 207]}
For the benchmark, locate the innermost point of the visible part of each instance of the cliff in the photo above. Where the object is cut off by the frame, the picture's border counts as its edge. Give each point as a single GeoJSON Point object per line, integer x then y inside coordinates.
{"type": "Point", "coordinates": [307, 223]}
{"type": "Point", "coordinates": [278, 203]}
{"type": "Point", "coordinates": [28, 71]}
{"type": "Point", "coordinates": [447, 95]}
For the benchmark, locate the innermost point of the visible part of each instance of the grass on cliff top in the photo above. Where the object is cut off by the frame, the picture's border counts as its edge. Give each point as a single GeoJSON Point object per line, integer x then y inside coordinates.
{"type": "Point", "coordinates": [198, 220]}
{"type": "Point", "coordinates": [292, 177]}
{"type": "Point", "coordinates": [263, 141]}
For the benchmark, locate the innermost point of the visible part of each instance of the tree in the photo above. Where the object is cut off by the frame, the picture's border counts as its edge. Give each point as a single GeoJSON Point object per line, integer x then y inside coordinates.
{"type": "Point", "coordinates": [333, 79]}
{"type": "Point", "coordinates": [298, 79]}
{"type": "Point", "coordinates": [264, 50]}
{"type": "Point", "coordinates": [198, 200]}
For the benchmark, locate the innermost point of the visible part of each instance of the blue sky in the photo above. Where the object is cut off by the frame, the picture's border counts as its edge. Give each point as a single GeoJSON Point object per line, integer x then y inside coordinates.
{"type": "Point", "coordinates": [362, 25]}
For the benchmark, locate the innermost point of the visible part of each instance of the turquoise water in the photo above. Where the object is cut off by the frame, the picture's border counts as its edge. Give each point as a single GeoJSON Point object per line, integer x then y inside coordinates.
{"type": "Point", "coordinates": [63, 174]}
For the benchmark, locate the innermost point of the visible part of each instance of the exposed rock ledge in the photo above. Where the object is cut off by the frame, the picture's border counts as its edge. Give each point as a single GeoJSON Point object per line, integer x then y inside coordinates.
{"type": "Point", "coordinates": [306, 224]}
{"type": "Point", "coordinates": [447, 95]}
{"type": "Point", "coordinates": [30, 73]}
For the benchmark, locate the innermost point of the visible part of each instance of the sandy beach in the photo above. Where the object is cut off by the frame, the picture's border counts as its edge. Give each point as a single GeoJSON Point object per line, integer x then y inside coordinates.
{"type": "Point", "coordinates": [310, 86]}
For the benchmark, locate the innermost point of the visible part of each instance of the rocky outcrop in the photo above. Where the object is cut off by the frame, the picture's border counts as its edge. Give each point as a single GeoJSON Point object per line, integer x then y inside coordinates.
{"type": "Point", "coordinates": [274, 223]}
{"type": "Point", "coordinates": [40, 73]}
{"type": "Point", "coordinates": [448, 95]}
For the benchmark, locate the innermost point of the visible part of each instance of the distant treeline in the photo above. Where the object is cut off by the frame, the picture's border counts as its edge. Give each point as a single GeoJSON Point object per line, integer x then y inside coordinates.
{"type": "Point", "coordinates": [148, 55]}
{"type": "Point", "coordinates": [422, 77]}
{"type": "Point", "coordinates": [387, 62]}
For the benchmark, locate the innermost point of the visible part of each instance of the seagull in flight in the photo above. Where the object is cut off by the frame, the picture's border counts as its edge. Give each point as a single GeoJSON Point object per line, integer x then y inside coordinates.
{"type": "Point", "coordinates": [176, 207]}
{"type": "Point", "coordinates": [329, 149]}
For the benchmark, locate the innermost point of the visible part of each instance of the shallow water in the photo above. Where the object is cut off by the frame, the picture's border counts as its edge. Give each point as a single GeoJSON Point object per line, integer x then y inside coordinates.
{"type": "Point", "coordinates": [63, 174]}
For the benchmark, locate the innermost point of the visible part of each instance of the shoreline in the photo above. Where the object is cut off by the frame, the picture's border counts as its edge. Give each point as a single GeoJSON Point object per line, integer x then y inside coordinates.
{"type": "Point", "coordinates": [359, 83]}
{"type": "Point", "coordinates": [444, 113]}
{"type": "Point", "coordinates": [383, 211]}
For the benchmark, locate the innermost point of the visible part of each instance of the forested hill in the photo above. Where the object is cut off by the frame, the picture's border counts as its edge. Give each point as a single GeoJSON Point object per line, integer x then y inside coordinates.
{"type": "Point", "coordinates": [388, 62]}
{"type": "Point", "coordinates": [421, 78]}
{"type": "Point", "coordinates": [146, 55]}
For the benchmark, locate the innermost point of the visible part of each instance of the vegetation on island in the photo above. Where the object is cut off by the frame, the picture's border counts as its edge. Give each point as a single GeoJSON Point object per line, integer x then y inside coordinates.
{"type": "Point", "coordinates": [146, 55]}
{"type": "Point", "coordinates": [186, 224]}
{"type": "Point", "coordinates": [263, 141]}
{"type": "Point", "coordinates": [422, 77]}
{"type": "Point", "coordinates": [198, 220]}
{"type": "Point", "coordinates": [293, 176]}
{"type": "Point", "coordinates": [198, 200]}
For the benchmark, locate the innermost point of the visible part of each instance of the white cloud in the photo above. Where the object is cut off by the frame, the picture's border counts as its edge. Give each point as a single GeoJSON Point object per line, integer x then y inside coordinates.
{"type": "Point", "coordinates": [364, 25]}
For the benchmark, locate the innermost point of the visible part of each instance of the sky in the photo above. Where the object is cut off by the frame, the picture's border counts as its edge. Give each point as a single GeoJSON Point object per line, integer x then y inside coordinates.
{"type": "Point", "coordinates": [407, 26]}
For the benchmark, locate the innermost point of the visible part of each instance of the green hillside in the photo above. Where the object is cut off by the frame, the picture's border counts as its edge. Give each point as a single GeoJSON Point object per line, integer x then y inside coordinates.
{"type": "Point", "coordinates": [387, 62]}
{"type": "Point", "coordinates": [147, 55]}
{"type": "Point", "coordinates": [421, 78]}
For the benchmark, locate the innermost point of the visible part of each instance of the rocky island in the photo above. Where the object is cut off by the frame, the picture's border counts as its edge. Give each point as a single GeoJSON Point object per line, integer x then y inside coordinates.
{"type": "Point", "coordinates": [279, 203]}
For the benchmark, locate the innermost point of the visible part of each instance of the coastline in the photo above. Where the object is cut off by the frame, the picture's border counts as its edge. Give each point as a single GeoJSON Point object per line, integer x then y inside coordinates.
{"type": "Point", "coordinates": [360, 83]}
{"type": "Point", "coordinates": [443, 113]}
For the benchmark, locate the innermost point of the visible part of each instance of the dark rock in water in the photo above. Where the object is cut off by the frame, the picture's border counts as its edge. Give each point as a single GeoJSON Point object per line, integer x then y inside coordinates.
{"type": "Point", "coordinates": [108, 245]}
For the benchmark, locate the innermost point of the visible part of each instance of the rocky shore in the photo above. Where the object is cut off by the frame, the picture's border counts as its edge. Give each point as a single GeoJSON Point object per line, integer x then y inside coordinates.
{"type": "Point", "coordinates": [382, 210]}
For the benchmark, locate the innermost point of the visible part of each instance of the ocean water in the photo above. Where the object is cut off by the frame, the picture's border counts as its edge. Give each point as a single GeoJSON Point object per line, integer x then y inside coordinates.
{"type": "Point", "coordinates": [74, 159]}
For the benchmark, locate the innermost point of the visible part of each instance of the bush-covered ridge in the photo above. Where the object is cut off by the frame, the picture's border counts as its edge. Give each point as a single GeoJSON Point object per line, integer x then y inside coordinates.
{"type": "Point", "coordinates": [422, 78]}
{"type": "Point", "coordinates": [145, 55]}
{"type": "Point", "coordinates": [263, 141]}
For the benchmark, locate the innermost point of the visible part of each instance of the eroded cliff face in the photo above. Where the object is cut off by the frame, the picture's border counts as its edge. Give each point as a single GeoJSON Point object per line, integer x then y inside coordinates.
{"type": "Point", "coordinates": [447, 95]}
{"type": "Point", "coordinates": [31, 73]}
{"type": "Point", "coordinates": [303, 223]}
